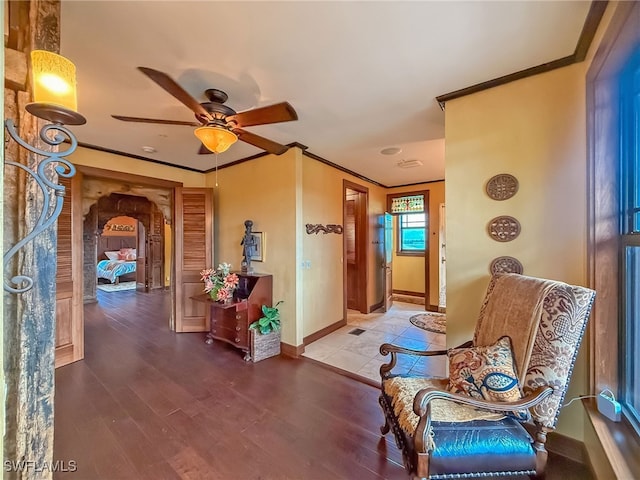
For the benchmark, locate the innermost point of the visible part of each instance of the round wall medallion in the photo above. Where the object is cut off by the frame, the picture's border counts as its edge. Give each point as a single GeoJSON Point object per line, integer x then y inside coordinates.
{"type": "Point", "coordinates": [505, 265]}
{"type": "Point", "coordinates": [504, 228]}
{"type": "Point", "coordinates": [502, 186]}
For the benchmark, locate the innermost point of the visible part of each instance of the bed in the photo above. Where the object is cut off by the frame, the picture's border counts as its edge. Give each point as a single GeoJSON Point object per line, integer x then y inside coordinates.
{"type": "Point", "coordinates": [118, 264]}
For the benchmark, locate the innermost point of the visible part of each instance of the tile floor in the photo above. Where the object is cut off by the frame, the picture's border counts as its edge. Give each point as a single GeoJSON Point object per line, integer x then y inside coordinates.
{"type": "Point", "coordinates": [360, 354]}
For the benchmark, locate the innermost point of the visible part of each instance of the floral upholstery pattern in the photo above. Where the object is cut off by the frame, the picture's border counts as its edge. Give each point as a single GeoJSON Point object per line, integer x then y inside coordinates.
{"type": "Point", "coordinates": [564, 318]}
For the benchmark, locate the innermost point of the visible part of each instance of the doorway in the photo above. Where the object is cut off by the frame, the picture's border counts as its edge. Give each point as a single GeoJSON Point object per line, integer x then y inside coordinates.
{"type": "Point", "coordinates": [129, 239]}
{"type": "Point", "coordinates": [412, 247]}
{"type": "Point", "coordinates": [355, 216]}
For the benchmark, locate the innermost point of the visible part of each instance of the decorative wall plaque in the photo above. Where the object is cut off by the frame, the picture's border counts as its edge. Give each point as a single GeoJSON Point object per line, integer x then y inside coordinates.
{"type": "Point", "coordinates": [505, 265]}
{"type": "Point", "coordinates": [502, 186]}
{"type": "Point", "coordinates": [330, 228]}
{"type": "Point", "coordinates": [503, 228]}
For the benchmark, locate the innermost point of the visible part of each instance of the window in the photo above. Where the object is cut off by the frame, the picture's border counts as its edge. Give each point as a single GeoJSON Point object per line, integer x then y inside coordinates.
{"type": "Point", "coordinates": [411, 233]}
{"type": "Point", "coordinates": [630, 240]}
{"type": "Point", "coordinates": [412, 221]}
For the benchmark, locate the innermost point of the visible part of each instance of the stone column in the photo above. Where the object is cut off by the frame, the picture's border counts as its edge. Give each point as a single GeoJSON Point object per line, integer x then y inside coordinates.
{"type": "Point", "coordinates": [29, 318]}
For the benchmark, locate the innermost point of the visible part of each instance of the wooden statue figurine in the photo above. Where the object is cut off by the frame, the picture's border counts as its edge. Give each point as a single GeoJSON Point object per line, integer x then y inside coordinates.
{"type": "Point", "coordinates": [249, 245]}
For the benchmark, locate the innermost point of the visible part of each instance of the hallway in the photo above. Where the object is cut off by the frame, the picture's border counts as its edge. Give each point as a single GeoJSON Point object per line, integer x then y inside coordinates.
{"type": "Point", "coordinates": [359, 352]}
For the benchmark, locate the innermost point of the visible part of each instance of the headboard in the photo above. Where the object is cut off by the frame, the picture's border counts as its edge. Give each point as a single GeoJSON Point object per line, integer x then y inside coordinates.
{"type": "Point", "coordinates": [111, 243]}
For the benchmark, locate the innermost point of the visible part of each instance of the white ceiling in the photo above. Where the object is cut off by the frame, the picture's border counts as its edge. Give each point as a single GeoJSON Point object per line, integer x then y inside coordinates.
{"type": "Point", "coordinates": [362, 76]}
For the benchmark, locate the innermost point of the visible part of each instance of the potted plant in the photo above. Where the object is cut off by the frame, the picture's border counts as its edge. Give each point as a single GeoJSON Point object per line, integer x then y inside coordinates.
{"type": "Point", "coordinates": [265, 334]}
{"type": "Point", "coordinates": [220, 283]}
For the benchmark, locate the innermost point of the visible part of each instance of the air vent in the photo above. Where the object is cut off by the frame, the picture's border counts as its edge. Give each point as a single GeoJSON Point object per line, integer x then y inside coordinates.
{"type": "Point", "coordinates": [409, 163]}
{"type": "Point", "coordinates": [356, 331]}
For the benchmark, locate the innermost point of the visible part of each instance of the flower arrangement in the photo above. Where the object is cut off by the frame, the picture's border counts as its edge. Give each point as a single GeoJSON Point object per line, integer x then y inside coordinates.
{"type": "Point", "coordinates": [220, 283]}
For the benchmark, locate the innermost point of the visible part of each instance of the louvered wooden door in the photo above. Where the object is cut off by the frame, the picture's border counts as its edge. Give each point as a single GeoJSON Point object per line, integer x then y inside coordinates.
{"type": "Point", "coordinates": [69, 278]}
{"type": "Point", "coordinates": [193, 252]}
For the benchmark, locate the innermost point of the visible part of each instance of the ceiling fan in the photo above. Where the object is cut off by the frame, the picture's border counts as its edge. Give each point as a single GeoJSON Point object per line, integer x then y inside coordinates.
{"type": "Point", "coordinates": [218, 120]}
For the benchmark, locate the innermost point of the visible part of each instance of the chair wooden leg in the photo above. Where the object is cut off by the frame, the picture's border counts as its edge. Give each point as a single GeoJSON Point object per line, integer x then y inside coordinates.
{"type": "Point", "coordinates": [541, 452]}
{"type": "Point", "coordinates": [386, 427]}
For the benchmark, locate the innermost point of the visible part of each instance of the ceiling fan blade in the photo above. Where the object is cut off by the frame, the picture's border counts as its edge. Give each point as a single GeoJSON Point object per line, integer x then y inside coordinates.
{"type": "Point", "coordinates": [260, 142]}
{"type": "Point", "coordinates": [279, 112]}
{"type": "Point", "coordinates": [155, 120]}
{"type": "Point", "coordinates": [167, 83]}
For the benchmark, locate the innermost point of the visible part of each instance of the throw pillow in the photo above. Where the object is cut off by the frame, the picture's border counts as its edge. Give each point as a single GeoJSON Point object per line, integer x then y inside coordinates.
{"type": "Point", "coordinates": [486, 372]}
{"type": "Point", "coordinates": [112, 255]}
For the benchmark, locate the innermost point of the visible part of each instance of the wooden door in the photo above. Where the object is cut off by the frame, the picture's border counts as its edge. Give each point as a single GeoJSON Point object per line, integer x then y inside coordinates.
{"type": "Point", "coordinates": [69, 277]}
{"type": "Point", "coordinates": [388, 259]}
{"type": "Point", "coordinates": [355, 245]}
{"type": "Point", "coordinates": [142, 276]}
{"type": "Point", "coordinates": [155, 250]}
{"type": "Point", "coordinates": [193, 244]}
{"type": "Point", "coordinates": [351, 257]}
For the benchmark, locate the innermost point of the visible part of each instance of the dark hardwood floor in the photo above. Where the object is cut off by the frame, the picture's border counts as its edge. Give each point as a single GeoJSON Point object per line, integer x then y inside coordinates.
{"type": "Point", "coordinates": [146, 403]}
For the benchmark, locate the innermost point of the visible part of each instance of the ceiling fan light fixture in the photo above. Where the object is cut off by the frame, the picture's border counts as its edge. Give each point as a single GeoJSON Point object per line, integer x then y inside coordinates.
{"type": "Point", "coordinates": [214, 138]}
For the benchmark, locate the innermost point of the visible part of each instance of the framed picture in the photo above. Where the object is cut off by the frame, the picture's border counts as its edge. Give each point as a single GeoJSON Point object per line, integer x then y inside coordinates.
{"type": "Point", "coordinates": [258, 249]}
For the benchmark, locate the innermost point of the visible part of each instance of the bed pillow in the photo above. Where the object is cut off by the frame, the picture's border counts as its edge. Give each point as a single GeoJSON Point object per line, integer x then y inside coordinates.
{"type": "Point", "coordinates": [486, 373]}
{"type": "Point", "coordinates": [112, 255]}
{"type": "Point", "coordinates": [128, 254]}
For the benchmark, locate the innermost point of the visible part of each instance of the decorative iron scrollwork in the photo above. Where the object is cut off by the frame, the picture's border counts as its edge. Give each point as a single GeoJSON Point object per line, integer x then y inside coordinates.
{"type": "Point", "coordinates": [329, 228]}
{"type": "Point", "coordinates": [48, 215]}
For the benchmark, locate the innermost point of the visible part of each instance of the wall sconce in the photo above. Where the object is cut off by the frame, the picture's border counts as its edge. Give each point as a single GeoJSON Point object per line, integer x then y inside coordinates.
{"type": "Point", "coordinates": [54, 95]}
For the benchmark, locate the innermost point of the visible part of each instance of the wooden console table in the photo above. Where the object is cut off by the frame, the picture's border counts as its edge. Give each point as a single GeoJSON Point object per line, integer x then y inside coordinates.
{"type": "Point", "coordinates": [230, 322]}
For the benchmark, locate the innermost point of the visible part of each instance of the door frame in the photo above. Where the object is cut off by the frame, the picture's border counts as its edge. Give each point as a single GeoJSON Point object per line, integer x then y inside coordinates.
{"type": "Point", "coordinates": [427, 238]}
{"type": "Point", "coordinates": [362, 254]}
{"type": "Point", "coordinates": [114, 176]}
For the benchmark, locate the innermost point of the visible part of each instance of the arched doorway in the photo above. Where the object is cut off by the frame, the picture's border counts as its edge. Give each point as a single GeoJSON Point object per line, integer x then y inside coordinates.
{"type": "Point", "coordinates": [148, 240]}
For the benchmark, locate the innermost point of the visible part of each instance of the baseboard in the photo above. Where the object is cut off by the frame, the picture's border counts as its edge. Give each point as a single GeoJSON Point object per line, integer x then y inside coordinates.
{"type": "Point", "coordinates": [377, 306]}
{"type": "Point", "coordinates": [407, 292]}
{"type": "Point", "coordinates": [433, 308]}
{"type": "Point", "coordinates": [324, 331]}
{"type": "Point", "coordinates": [291, 351]}
{"type": "Point", "coordinates": [564, 446]}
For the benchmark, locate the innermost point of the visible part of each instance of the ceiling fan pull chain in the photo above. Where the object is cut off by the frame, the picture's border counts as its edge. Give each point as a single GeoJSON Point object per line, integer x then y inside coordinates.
{"type": "Point", "coordinates": [216, 154]}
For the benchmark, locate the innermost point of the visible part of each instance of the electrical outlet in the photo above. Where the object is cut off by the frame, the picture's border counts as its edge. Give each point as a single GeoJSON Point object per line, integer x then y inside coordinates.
{"type": "Point", "coordinates": [608, 406]}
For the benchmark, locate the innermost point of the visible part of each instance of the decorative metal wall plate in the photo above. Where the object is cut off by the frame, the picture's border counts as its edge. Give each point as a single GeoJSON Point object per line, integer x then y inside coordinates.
{"type": "Point", "coordinates": [330, 228]}
{"type": "Point", "coordinates": [505, 265]}
{"type": "Point", "coordinates": [503, 228]}
{"type": "Point", "coordinates": [502, 186]}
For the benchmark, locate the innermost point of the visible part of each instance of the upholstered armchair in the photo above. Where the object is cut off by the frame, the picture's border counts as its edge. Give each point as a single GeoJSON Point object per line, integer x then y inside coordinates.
{"type": "Point", "coordinates": [515, 372]}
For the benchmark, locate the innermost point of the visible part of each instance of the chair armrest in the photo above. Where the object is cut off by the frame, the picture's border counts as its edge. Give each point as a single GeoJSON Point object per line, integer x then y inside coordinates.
{"type": "Point", "coordinates": [422, 407]}
{"type": "Point", "coordinates": [388, 348]}
{"type": "Point", "coordinates": [531, 399]}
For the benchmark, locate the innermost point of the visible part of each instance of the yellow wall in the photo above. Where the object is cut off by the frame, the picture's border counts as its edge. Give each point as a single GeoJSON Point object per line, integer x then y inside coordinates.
{"type": "Point", "coordinates": [322, 283]}
{"type": "Point", "coordinates": [119, 163]}
{"type": "Point", "coordinates": [263, 190]}
{"type": "Point", "coordinates": [533, 129]}
{"type": "Point", "coordinates": [408, 271]}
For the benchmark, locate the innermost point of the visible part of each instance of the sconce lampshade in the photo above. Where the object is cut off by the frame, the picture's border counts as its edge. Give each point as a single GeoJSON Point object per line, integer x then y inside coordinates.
{"type": "Point", "coordinates": [54, 88]}
{"type": "Point", "coordinates": [216, 139]}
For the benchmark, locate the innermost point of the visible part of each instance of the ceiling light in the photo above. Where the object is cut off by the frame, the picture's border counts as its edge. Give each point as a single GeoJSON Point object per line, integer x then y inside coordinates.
{"type": "Point", "coordinates": [409, 163]}
{"type": "Point", "coordinates": [215, 138]}
{"type": "Point", "coordinates": [390, 151]}
{"type": "Point", "coordinates": [149, 149]}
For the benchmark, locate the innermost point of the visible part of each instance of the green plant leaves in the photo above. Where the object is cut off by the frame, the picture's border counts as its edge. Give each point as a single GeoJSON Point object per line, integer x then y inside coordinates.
{"type": "Point", "coordinates": [270, 321]}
